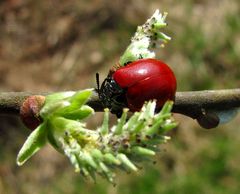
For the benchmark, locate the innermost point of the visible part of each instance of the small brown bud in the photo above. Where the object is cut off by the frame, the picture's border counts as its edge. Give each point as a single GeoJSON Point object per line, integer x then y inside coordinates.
{"type": "Point", "coordinates": [208, 120]}
{"type": "Point", "coordinates": [30, 109]}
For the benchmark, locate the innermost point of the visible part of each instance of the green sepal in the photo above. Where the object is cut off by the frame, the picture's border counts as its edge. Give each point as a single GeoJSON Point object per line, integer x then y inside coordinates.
{"type": "Point", "coordinates": [35, 141]}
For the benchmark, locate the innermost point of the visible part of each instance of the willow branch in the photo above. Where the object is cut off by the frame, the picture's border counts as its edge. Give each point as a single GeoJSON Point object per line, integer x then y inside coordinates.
{"type": "Point", "coordinates": [191, 103]}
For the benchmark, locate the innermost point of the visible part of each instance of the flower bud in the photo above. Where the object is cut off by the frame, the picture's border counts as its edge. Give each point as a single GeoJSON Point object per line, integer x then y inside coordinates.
{"type": "Point", "coordinates": [30, 109]}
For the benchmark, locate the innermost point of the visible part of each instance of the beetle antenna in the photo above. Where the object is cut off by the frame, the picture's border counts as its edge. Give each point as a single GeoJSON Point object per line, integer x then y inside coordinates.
{"type": "Point", "coordinates": [97, 81]}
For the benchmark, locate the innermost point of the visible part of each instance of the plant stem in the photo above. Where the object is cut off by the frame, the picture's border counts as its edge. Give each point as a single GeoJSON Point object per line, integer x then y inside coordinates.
{"type": "Point", "coordinates": [10, 102]}
{"type": "Point", "coordinates": [190, 103]}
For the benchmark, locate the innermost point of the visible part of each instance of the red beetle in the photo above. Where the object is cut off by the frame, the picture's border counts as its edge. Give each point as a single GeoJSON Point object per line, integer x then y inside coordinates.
{"type": "Point", "coordinates": [142, 80]}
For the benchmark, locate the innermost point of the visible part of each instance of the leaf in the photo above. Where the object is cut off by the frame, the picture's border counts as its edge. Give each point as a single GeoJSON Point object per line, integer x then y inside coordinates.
{"type": "Point", "coordinates": [53, 142]}
{"type": "Point", "coordinates": [35, 141]}
{"type": "Point", "coordinates": [75, 102]}
{"type": "Point", "coordinates": [80, 113]}
{"type": "Point", "coordinates": [53, 107]}
{"type": "Point", "coordinates": [64, 103]}
{"type": "Point", "coordinates": [58, 96]}
{"type": "Point", "coordinates": [61, 124]}
{"type": "Point", "coordinates": [81, 97]}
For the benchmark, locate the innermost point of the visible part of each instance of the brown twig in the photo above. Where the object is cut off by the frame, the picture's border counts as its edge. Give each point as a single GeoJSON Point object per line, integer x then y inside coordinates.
{"type": "Point", "coordinates": [195, 104]}
{"type": "Point", "coordinates": [189, 103]}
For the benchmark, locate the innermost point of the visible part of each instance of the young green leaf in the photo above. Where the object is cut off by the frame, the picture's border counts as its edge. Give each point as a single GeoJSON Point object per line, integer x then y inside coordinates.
{"type": "Point", "coordinates": [58, 96]}
{"type": "Point", "coordinates": [79, 114]}
{"type": "Point", "coordinates": [75, 102]}
{"type": "Point", "coordinates": [35, 141]}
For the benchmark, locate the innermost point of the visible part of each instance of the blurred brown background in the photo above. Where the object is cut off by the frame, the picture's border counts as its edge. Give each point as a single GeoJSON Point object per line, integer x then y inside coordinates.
{"type": "Point", "coordinates": [60, 45]}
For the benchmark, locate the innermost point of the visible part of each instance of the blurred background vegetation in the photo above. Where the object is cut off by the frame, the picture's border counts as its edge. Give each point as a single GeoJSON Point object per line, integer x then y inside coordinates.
{"type": "Point", "coordinates": [60, 45]}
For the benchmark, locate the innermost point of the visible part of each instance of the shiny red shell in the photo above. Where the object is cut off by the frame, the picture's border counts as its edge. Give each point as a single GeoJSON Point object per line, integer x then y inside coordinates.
{"type": "Point", "coordinates": [144, 80]}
